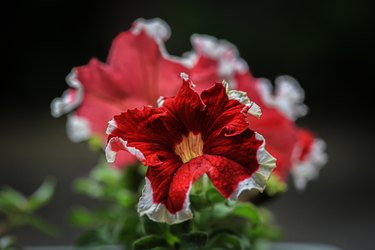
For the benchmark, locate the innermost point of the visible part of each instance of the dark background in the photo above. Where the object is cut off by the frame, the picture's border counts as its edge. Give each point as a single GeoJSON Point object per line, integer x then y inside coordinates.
{"type": "Point", "coordinates": [326, 45]}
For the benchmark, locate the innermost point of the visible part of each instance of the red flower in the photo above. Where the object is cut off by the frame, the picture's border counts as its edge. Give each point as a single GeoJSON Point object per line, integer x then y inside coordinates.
{"type": "Point", "coordinates": [188, 136]}
{"type": "Point", "coordinates": [138, 71]}
{"type": "Point", "coordinates": [279, 109]}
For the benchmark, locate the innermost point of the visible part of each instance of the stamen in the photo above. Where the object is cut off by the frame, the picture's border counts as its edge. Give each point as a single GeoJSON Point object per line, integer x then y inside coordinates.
{"type": "Point", "coordinates": [190, 147]}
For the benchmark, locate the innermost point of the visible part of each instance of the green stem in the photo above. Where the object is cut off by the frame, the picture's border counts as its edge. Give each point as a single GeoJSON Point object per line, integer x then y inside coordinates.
{"type": "Point", "coordinates": [201, 185]}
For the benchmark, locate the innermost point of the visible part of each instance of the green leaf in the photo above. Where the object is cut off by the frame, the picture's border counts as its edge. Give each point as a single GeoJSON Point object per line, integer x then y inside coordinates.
{"type": "Point", "coordinates": [90, 239]}
{"type": "Point", "coordinates": [199, 201]}
{"type": "Point", "coordinates": [89, 187]}
{"type": "Point", "coordinates": [95, 143]}
{"type": "Point", "coordinates": [148, 242]}
{"type": "Point", "coordinates": [41, 225]}
{"type": "Point", "coordinates": [221, 210]}
{"type": "Point", "coordinates": [82, 217]}
{"type": "Point", "coordinates": [246, 210]}
{"type": "Point", "coordinates": [225, 241]}
{"type": "Point", "coordinates": [106, 174]}
{"type": "Point", "coordinates": [214, 196]}
{"type": "Point", "coordinates": [42, 195]}
{"type": "Point", "coordinates": [11, 200]}
{"type": "Point", "coordinates": [193, 241]}
{"type": "Point", "coordinates": [275, 186]}
{"type": "Point", "coordinates": [152, 227]}
{"type": "Point", "coordinates": [171, 239]}
{"type": "Point", "coordinates": [125, 198]}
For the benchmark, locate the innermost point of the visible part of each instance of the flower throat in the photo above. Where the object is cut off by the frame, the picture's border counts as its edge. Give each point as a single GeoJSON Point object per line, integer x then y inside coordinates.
{"type": "Point", "coordinates": [190, 147]}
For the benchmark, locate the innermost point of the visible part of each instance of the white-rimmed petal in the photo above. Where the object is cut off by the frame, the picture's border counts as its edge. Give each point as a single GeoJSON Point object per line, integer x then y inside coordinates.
{"type": "Point", "coordinates": [78, 128]}
{"type": "Point", "coordinates": [308, 169]}
{"type": "Point", "coordinates": [111, 126]}
{"type": "Point", "coordinates": [288, 96]}
{"type": "Point", "coordinates": [156, 28]}
{"type": "Point", "coordinates": [242, 97]}
{"type": "Point", "coordinates": [116, 144]}
{"type": "Point", "coordinates": [68, 101]}
{"type": "Point", "coordinates": [160, 31]}
{"type": "Point", "coordinates": [224, 52]}
{"type": "Point", "coordinates": [158, 212]}
{"type": "Point", "coordinates": [259, 179]}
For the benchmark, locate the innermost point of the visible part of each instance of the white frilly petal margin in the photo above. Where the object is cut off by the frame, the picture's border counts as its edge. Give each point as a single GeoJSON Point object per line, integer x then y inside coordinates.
{"type": "Point", "coordinates": [110, 154]}
{"type": "Point", "coordinates": [78, 128]}
{"type": "Point", "coordinates": [288, 97]}
{"type": "Point", "coordinates": [160, 31]}
{"type": "Point", "coordinates": [253, 108]}
{"type": "Point", "coordinates": [259, 179]}
{"type": "Point", "coordinates": [66, 103]}
{"type": "Point", "coordinates": [158, 212]}
{"type": "Point", "coordinates": [308, 169]}
{"type": "Point", "coordinates": [223, 51]}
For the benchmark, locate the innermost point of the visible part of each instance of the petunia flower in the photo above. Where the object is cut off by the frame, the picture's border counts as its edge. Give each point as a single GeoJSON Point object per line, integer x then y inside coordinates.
{"type": "Point", "coordinates": [188, 136]}
{"type": "Point", "coordinates": [138, 71]}
{"type": "Point", "coordinates": [280, 108]}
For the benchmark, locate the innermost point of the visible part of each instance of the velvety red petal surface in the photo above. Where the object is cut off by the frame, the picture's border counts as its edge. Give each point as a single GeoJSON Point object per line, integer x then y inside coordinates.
{"type": "Point", "coordinates": [226, 173]}
{"type": "Point", "coordinates": [145, 131]}
{"type": "Point", "coordinates": [210, 114]}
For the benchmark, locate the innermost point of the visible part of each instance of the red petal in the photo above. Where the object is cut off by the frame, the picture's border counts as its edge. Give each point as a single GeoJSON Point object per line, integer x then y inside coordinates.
{"type": "Point", "coordinates": [171, 183]}
{"type": "Point", "coordinates": [226, 174]}
{"type": "Point", "coordinates": [148, 74]}
{"type": "Point", "coordinates": [186, 107]}
{"type": "Point", "coordinates": [241, 148]}
{"type": "Point", "coordinates": [144, 130]}
{"type": "Point", "coordinates": [281, 136]}
{"type": "Point", "coordinates": [305, 142]}
{"type": "Point", "coordinates": [102, 80]}
{"type": "Point", "coordinates": [222, 114]}
{"type": "Point", "coordinates": [204, 73]}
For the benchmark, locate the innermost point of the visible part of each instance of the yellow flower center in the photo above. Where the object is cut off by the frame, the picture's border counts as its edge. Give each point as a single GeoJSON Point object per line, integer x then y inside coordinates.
{"type": "Point", "coordinates": [190, 147]}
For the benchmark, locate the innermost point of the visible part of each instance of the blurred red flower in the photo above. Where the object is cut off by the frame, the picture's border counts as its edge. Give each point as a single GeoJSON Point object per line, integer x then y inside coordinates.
{"type": "Point", "coordinates": [139, 70]}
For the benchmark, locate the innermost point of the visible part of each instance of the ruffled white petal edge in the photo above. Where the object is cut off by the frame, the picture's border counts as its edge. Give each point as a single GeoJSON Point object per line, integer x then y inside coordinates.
{"type": "Point", "coordinates": [288, 97]}
{"type": "Point", "coordinates": [118, 142]}
{"type": "Point", "coordinates": [66, 103]}
{"type": "Point", "coordinates": [221, 50]}
{"type": "Point", "coordinates": [308, 169]}
{"type": "Point", "coordinates": [158, 212]}
{"type": "Point", "coordinates": [78, 128]}
{"type": "Point", "coordinates": [242, 97]}
{"type": "Point", "coordinates": [160, 31]}
{"type": "Point", "coordinates": [259, 179]}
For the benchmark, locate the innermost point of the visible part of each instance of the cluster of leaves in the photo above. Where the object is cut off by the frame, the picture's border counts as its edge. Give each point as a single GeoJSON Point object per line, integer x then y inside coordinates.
{"type": "Point", "coordinates": [217, 222]}
{"type": "Point", "coordinates": [18, 210]}
{"type": "Point", "coordinates": [116, 221]}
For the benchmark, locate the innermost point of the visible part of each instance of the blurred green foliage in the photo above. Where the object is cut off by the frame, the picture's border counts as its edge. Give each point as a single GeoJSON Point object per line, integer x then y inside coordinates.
{"type": "Point", "coordinates": [116, 222]}
{"type": "Point", "coordinates": [18, 210]}
{"type": "Point", "coordinates": [217, 222]}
